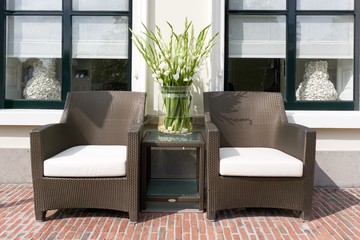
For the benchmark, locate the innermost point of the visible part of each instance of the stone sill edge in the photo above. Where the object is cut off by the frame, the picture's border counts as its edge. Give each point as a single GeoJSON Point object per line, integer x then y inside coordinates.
{"type": "Point", "coordinates": [313, 119]}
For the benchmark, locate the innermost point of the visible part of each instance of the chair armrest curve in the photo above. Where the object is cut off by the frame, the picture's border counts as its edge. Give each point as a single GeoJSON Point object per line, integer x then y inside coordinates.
{"type": "Point", "coordinates": [135, 133]}
{"type": "Point", "coordinates": [212, 140]}
{"type": "Point", "coordinates": [298, 141]}
{"type": "Point", "coordinates": [46, 141]}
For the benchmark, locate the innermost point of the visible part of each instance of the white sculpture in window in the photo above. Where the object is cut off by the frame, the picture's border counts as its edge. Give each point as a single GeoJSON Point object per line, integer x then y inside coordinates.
{"type": "Point", "coordinates": [316, 85]}
{"type": "Point", "coordinates": [43, 85]}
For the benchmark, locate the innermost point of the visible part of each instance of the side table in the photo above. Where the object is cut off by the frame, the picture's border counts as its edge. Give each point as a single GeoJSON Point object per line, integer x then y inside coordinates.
{"type": "Point", "coordinates": [172, 190]}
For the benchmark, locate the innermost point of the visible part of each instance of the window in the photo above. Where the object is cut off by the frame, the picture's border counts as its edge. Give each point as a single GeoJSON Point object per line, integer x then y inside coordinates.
{"type": "Point", "coordinates": [99, 53]}
{"type": "Point", "coordinates": [56, 46]}
{"type": "Point", "coordinates": [257, 4]}
{"type": "Point", "coordinates": [33, 57]}
{"type": "Point", "coordinates": [304, 49]}
{"type": "Point", "coordinates": [324, 58]}
{"type": "Point", "coordinates": [257, 49]}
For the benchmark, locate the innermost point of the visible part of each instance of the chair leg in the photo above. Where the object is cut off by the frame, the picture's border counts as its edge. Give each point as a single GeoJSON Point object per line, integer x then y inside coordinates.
{"type": "Point", "coordinates": [133, 216]}
{"type": "Point", "coordinates": [306, 215]}
{"type": "Point", "coordinates": [211, 215]}
{"type": "Point", "coordinates": [40, 215]}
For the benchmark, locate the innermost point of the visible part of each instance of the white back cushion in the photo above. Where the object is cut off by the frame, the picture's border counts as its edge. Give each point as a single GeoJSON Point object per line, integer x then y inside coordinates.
{"type": "Point", "coordinates": [88, 161]}
{"type": "Point", "coordinates": [259, 162]}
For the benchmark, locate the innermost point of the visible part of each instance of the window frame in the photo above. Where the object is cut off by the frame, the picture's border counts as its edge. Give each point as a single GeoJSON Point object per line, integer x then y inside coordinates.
{"type": "Point", "coordinates": [66, 14]}
{"type": "Point", "coordinates": [291, 14]}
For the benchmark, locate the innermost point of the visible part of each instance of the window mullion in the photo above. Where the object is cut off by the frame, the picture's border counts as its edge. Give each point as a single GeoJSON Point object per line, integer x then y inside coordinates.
{"type": "Point", "coordinates": [66, 48]}
{"type": "Point", "coordinates": [357, 56]}
{"type": "Point", "coordinates": [2, 52]}
{"type": "Point", "coordinates": [226, 47]}
{"type": "Point", "coordinates": [129, 67]}
{"type": "Point", "coordinates": [291, 52]}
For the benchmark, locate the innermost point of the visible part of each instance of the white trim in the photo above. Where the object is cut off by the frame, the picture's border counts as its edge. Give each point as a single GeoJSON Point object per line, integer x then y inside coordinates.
{"type": "Point", "coordinates": [29, 117]}
{"type": "Point", "coordinates": [217, 54]}
{"type": "Point", "coordinates": [313, 119]}
{"type": "Point", "coordinates": [139, 67]}
{"type": "Point", "coordinates": [326, 119]}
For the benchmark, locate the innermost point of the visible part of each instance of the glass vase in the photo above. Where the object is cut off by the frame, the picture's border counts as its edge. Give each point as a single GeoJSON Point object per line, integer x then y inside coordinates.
{"type": "Point", "coordinates": [175, 110]}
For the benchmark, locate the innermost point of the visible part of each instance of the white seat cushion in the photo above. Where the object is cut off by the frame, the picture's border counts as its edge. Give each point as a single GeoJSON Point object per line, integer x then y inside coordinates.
{"type": "Point", "coordinates": [88, 161]}
{"type": "Point", "coordinates": [258, 162]}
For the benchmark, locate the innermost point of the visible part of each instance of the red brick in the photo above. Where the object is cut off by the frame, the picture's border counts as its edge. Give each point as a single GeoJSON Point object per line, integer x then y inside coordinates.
{"type": "Point", "coordinates": [170, 232]}
{"type": "Point", "coordinates": [210, 233]}
{"type": "Point", "coordinates": [249, 226]}
{"type": "Point", "coordinates": [129, 231]}
{"type": "Point", "coordinates": [186, 226]}
{"type": "Point", "coordinates": [227, 233]}
{"type": "Point", "coordinates": [123, 225]}
{"type": "Point", "coordinates": [243, 234]}
{"type": "Point", "coordinates": [336, 216]}
{"type": "Point", "coordinates": [178, 232]}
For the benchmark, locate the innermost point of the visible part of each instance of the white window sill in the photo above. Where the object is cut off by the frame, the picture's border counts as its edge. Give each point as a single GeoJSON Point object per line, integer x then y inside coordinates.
{"type": "Point", "coordinates": [313, 119]}
{"type": "Point", "coordinates": [29, 117]}
{"type": "Point", "coordinates": [326, 119]}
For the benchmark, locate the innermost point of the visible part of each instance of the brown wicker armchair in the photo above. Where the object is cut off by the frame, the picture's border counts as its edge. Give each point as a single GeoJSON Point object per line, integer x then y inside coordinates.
{"type": "Point", "coordinates": [91, 158]}
{"type": "Point", "coordinates": [255, 158]}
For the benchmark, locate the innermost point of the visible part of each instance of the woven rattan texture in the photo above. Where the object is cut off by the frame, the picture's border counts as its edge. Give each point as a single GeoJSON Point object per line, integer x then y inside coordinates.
{"type": "Point", "coordinates": [98, 117]}
{"type": "Point", "coordinates": [256, 119]}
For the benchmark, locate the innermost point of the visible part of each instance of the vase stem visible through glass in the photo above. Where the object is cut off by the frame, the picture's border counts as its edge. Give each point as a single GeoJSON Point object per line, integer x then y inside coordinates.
{"type": "Point", "coordinates": [175, 109]}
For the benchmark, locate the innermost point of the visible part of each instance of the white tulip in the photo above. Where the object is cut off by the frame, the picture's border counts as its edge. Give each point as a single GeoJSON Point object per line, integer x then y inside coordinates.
{"type": "Point", "coordinates": [176, 76]}
{"type": "Point", "coordinates": [164, 66]}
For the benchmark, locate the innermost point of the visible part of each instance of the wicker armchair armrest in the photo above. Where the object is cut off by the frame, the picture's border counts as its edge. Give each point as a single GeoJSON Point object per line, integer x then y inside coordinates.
{"type": "Point", "coordinates": [298, 141]}
{"type": "Point", "coordinates": [212, 139]}
{"type": "Point", "coordinates": [46, 141]}
{"type": "Point", "coordinates": [135, 133]}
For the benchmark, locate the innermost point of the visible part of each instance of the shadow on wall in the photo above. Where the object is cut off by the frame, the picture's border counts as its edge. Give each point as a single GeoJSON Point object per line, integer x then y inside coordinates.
{"type": "Point", "coordinates": [321, 179]}
{"type": "Point", "coordinates": [329, 198]}
{"type": "Point", "coordinates": [337, 169]}
{"type": "Point", "coordinates": [15, 165]}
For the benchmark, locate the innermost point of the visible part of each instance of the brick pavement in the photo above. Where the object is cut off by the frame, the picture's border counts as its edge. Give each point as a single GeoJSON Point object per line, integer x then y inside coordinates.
{"type": "Point", "coordinates": [336, 215]}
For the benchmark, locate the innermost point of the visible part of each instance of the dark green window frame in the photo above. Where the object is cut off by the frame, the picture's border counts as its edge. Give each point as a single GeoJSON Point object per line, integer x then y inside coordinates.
{"type": "Point", "coordinates": [66, 13]}
{"type": "Point", "coordinates": [291, 14]}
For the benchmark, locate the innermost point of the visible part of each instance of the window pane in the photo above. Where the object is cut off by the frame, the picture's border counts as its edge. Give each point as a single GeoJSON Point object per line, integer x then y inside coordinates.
{"type": "Point", "coordinates": [257, 53]}
{"type": "Point", "coordinates": [100, 37]}
{"type": "Point", "coordinates": [257, 74]}
{"type": "Point", "coordinates": [34, 36]}
{"type": "Point", "coordinates": [257, 4]}
{"type": "Point", "coordinates": [100, 53]}
{"type": "Point", "coordinates": [104, 5]}
{"type": "Point", "coordinates": [99, 74]}
{"type": "Point", "coordinates": [34, 5]}
{"type": "Point", "coordinates": [257, 36]}
{"type": "Point", "coordinates": [325, 36]}
{"type": "Point", "coordinates": [325, 50]}
{"type": "Point", "coordinates": [33, 66]}
{"type": "Point", "coordinates": [325, 4]}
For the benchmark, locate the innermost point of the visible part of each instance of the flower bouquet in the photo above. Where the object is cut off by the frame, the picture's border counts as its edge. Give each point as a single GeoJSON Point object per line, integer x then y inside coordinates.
{"type": "Point", "coordinates": [175, 65]}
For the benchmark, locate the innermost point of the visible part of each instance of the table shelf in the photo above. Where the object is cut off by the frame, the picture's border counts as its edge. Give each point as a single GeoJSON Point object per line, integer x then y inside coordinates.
{"type": "Point", "coordinates": [172, 190]}
{"type": "Point", "coordinates": [172, 187]}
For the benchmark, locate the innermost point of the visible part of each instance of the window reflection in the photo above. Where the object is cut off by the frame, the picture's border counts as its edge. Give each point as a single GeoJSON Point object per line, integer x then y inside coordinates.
{"type": "Point", "coordinates": [103, 5]}
{"type": "Point", "coordinates": [100, 53]}
{"type": "Point", "coordinates": [257, 53]}
{"type": "Point", "coordinates": [325, 46]}
{"type": "Point", "coordinates": [33, 59]}
{"type": "Point", "coordinates": [257, 5]}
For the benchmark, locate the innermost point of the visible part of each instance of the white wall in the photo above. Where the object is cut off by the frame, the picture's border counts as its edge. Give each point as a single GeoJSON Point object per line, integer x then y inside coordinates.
{"type": "Point", "coordinates": [175, 12]}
